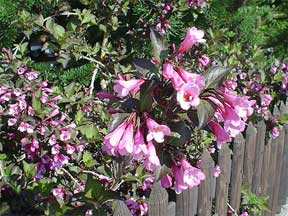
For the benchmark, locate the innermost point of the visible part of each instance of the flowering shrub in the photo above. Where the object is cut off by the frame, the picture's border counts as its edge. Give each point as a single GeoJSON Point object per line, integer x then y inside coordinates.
{"type": "Point", "coordinates": [155, 102]}
{"type": "Point", "coordinates": [161, 106]}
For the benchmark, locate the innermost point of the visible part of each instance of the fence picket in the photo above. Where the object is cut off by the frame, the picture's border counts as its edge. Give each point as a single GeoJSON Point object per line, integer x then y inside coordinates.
{"type": "Point", "coordinates": [205, 189]}
{"type": "Point", "coordinates": [249, 155]}
{"type": "Point", "coordinates": [158, 201]}
{"type": "Point", "coordinates": [280, 149]}
{"type": "Point", "coordinates": [284, 171]}
{"type": "Point", "coordinates": [237, 171]}
{"type": "Point", "coordinates": [186, 202]}
{"type": "Point", "coordinates": [259, 150]}
{"type": "Point", "coordinates": [222, 182]}
{"type": "Point", "coordinates": [121, 209]}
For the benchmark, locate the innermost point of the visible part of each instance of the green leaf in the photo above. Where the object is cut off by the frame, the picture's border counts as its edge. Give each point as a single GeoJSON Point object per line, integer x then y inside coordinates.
{"type": "Point", "coordinates": [146, 95]}
{"type": "Point", "coordinates": [88, 159]}
{"type": "Point", "coordinates": [29, 169]}
{"type": "Point", "coordinates": [90, 131]}
{"type": "Point", "coordinates": [144, 66]}
{"type": "Point", "coordinates": [159, 44]}
{"type": "Point", "coordinates": [79, 116]}
{"type": "Point", "coordinates": [215, 76]}
{"type": "Point", "coordinates": [37, 106]}
{"type": "Point", "coordinates": [205, 112]}
{"type": "Point", "coordinates": [182, 135]}
{"type": "Point", "coordinates": [116, 120]}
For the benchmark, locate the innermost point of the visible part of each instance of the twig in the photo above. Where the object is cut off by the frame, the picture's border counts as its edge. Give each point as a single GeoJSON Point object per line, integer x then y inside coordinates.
{"type": "Point", "coordinates": [90, 172]}
{"type": "Point", "coordinates": [93, 79]}
{"type": "Point", "coordinates": [3, 176]}
{"type": "Point", "coordinates": [61, 14]}
{"type": "Point", "coordinates": [93, 60]}
{"type": "Point", "coordinates": [232, 209]}
{"type": "Point", "coordinates": [69, 174]}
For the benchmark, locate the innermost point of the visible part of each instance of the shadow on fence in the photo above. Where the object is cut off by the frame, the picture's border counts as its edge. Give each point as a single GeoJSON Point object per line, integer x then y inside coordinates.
{"type": "Point", "coordinates": [262, 166]}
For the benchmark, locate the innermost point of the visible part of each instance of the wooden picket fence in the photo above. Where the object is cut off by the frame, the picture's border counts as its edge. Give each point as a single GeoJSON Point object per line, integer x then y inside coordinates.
{"type": "Point", "coordinates": [263, 166]}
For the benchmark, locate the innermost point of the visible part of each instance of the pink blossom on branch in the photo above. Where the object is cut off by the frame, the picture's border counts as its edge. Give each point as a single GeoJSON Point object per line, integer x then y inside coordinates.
{"type": "Point", "coordinates": [156, 131]}
{"type": "Point", "coordinates": [124, 87]}
{"type": "Point", "coordinates": [152, 161]}
{"type": "Point", "coordinates": [188, 96]}
{"type": "Point", "coordinates": [220, 133]}
{"type": "Point", "coordinates": [216, 171]}
{"type": "Point", "coordinates": [193, 36]}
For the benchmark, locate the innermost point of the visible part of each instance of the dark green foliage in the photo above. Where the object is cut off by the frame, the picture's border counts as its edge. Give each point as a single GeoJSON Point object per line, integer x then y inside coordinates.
{"type": "Point", "coordinates": [81, 74]}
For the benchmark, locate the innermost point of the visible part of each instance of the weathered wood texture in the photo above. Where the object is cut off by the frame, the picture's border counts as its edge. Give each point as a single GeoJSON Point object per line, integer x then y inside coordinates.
{"type": "Point", "coordinates": [158, 201]}
{"type": "Point", "coordinates": [222, 182]}
{"type": "Point", "coordinates": [186, 202]}
{"type": "Point", "coordinates": [237, 171]}
{"type": "Point", "coordinates": [259, 151]}
{"type": "Point", "coordinates": [121, 209]}
{"type": "Point", "coordinates": [249, 156]}
{"type": "Point", "coordinates": [205, 189]}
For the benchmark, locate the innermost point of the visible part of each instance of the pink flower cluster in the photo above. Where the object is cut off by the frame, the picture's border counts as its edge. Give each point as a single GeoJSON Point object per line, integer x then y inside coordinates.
{"type": "Point", "coordinates": [185, 176]}
{"type": "Point", "coordinates": [233, 111]}
{"type": "Point", "coordinates": [46, 133]}
{"type": "Point", "coordinates": [188, 85]}
{"type": "Point", "coordinates": [137, 208]}
{"type": "Point", "coordinates": [163, 25]}
{"type": "Point", "coordinates": [125, 140]}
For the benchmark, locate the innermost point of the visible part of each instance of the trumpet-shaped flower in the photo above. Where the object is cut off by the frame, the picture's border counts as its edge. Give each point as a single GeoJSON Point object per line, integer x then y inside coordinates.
{"type": "Point", "coordinates": [156, 131]}
{"type": "Point", "coordinates": [192, 176]}
{"type": "Point", "coordinates": [152, 161]}
{"type": "Point", "coordinates": [188, 96]}
{"type": "Point", "coordinates": [193, 36]}
{"type": "Point", "coordinates": [220, 133]}
{"type": "Point", "coordinates": [124, 87]}
{"type": "Point", "coordinates": [126, 143]}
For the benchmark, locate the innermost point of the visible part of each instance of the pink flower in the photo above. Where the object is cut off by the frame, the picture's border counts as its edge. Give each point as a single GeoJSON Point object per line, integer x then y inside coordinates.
{"type": "Point", "coordinates": [156, 131]}
{"type": "Point", "coordinates": [52, 114]}
{"type": "Point", "coordinates": [192, 79]}
{"type": "Point", "coordinates": [234, 127]}
{"type": "Point", "coordinates": [266, 99]}
{"type": "Point", "coordinates": [23, 126]}
{"type": "Point", "coordinates": [21, 70]}
{"type": "Point", "coordinates": [104, 95]}
{"type": "Point", "coordinates": [273, 70]}
{"type": "Point", "coordinates": [52, 140]}
{"type": "Point", "coordinates": [111, 140]}
{"type": "Point", "coordinates": [55, 149]}
{"type": "Point", "coordinates": [31, 111]}
{"type": "Point", "coordinates": [132, 205]}
{"type": "Point", "coordinates": [192, 176]}
{"type": "Point", "coordinates": [203, 60]}
{"type": "Point", "coordinates": [147, 184]}
{"type": "Point", "coordinates": [59, 160]}
{"type": "Point", "coordinates": [188, 96]}
{"type": "Point", "coordinates": [124, 87]}
{"type": "Point", "coordinates": [152, 161]}
{"type": "Point", "coordinates": [65, 135]}
{"type": "Point", "coordinates": [244, 214]}
{"type": "Point", "coordinates": [140, 148]}
{"type": "Point", "coordinates": [31, 75]}
{"type": "Point", "coordinates": [216, 171]}
{"type": "Point", "coordinates": [143, 208]}
{"type": "Point", "coordinates": [166, 181]}
{"type": "Point", "coordinates": [12, 121]}
{"type": "Point", "coordinates": [58, 193]}
{"type": "Point", "coordinates": [126, 143]}
{"type": "Point", "coordinates": [275, 132]}
{"type": "Point", "coordinates": [192, 37]}
{"type": "Point", "coordinates": [178, 174]}
{"type": "Point", "coordinates": [6, 97]}
{"type": "Point", "coordinates": [168, 71]}
{"type": "Point", "coordinates": [220, 133]}
{"type": "Point", "coordinates": [70, 149]}
{"type": "Point", "coordinates": [13, 109]}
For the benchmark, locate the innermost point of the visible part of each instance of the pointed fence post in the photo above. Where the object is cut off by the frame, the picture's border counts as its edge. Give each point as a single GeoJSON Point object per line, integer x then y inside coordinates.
{"type": "Point", "coordinates": [205, 189]}
{"type": "Point", "coordinates": [259, 151]}
{"type": "Point", "coordinates": [222, 182]}
{"type": "Point", "coordinates": [186, 202]}
{"type": "Point", "coordinates": [249, 156]}
{"type": "Point", "coordinates": [121, 209]}
{"type": "Point", "coordinates": [237, 171]}
{"type": "Point", "coordinates": [158, 201]}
